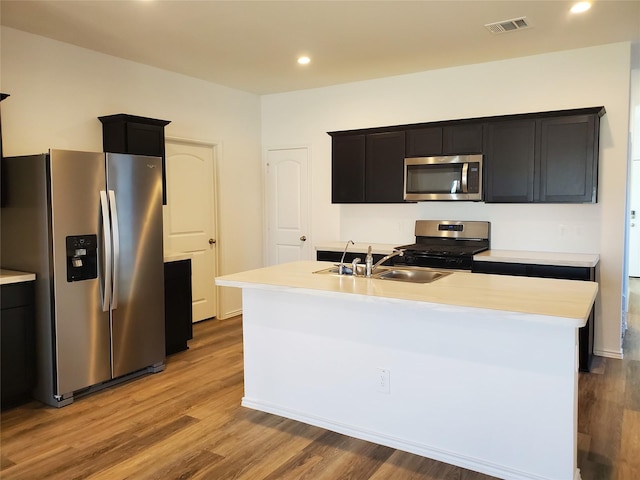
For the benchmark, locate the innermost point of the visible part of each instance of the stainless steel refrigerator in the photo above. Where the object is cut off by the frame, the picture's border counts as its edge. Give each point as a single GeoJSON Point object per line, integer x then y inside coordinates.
{"type": "Point", "coordinates": [90, 226]}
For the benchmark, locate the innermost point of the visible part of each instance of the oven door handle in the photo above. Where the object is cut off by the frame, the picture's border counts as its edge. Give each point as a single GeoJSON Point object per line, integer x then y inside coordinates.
{"type": "Point", "coordinates": [465, 177]}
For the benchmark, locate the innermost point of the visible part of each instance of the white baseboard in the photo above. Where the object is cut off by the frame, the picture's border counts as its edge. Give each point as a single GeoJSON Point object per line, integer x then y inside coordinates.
{"type": "Point", "coordinates": [231, 314]}
{"type": "Point", "coordinates": [608, 354]}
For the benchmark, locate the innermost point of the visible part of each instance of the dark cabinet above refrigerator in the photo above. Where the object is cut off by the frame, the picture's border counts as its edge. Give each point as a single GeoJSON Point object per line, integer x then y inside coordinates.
{"type": "Point", "coordinates": [123, 133]}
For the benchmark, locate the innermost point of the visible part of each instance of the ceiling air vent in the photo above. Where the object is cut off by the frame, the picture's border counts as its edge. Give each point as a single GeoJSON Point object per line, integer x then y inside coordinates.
{"type": "Point", "coordinates": [508, 25]}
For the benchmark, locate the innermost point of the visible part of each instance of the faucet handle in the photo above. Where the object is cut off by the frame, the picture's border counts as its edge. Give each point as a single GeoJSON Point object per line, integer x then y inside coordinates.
{"type": "Point", "coordinates": [354, 265]}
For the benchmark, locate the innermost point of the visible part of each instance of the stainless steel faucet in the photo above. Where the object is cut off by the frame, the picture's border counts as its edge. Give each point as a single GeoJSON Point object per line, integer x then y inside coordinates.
{"type": "Point", "coordinates": [341, 270]}
{"type": "Point", "coordinates": [395, 253]}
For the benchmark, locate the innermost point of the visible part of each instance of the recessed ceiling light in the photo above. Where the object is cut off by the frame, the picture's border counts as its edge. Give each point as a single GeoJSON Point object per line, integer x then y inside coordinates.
{"type": "Point", "coordinates": [303, 60]}
{"type": "Point", "coordinates": [580, 7]}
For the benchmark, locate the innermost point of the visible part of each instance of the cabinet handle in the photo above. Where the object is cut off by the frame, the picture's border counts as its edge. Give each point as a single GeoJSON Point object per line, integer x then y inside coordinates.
{"type": "Point", "coordinates": [212, 241]}
{"type": "Point", "coordinates": [303, 238]}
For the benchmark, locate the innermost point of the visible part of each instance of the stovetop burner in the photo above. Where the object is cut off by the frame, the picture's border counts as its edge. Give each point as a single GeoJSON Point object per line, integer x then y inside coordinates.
{"type": "Point", "coordinates": [450, 250]}
{"type": "Point", "coordinates": [446, 244]}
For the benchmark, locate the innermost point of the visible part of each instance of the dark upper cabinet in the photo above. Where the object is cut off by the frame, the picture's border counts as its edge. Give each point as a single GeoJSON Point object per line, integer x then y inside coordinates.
{"type": "Point", "coordinates": [544, 157]}
{"type": "Point", "coordinates": [509, 161]}
{"type": "Point", "coordinates": [444, 140]}
{"type": "Point", "coordinates": [568, 153]}
{"type": "Point", "coordinates": [462, 139]}
{"type": "Point", "coordinates": [347, 169]}
{"type": "Point", "coordinates": [368, 168]}
{"type": "Point", "coordinates": [424, 142]}
{"type": "Point", "coordinates": [384, 167]}
{"type": "Point", "coordinates": [543, 160]}
{"type": "Point", "coordinates": [122, 133]}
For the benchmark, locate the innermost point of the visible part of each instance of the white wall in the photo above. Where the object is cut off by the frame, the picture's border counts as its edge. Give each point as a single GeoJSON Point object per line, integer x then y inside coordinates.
{"type": "Point", "coordinates": [563, 80]}
{"type": "Point", "coordinates": [57, 91]}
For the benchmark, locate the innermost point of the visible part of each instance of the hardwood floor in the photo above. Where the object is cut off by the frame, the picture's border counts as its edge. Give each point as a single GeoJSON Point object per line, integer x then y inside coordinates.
{"type": "Point", "coordinates": [187, 423]}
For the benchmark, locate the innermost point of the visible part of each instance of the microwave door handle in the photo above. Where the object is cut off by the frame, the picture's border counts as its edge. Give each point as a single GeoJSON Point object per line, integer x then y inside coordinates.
{"type": "Point", "coordinates": [465, 175]}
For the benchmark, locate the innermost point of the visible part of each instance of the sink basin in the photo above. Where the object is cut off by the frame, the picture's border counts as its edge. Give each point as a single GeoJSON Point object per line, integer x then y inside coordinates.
{"type": "Point", "coordinates": [411, 275]}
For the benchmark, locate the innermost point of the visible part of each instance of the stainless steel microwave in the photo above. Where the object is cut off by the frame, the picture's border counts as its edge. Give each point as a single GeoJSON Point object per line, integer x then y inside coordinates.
{"type": "Point", "coordinates": [453, 177]}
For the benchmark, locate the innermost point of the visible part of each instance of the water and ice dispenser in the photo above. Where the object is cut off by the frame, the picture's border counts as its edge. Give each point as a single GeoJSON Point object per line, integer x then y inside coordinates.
{"type": "Point", "coordinates": [82, 257]}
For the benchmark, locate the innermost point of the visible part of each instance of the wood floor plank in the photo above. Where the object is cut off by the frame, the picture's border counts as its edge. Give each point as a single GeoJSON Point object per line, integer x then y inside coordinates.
{"type": "Point", "coordinates": [632, 385]}
{"type": "Point", "coordinates": [629, 458]}
{"type": "Point", "coordinates": [404, 466]}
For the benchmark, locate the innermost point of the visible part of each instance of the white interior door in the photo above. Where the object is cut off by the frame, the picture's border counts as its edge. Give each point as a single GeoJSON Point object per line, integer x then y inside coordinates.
{"type": "Point", "coordinates": [190, 217]}
{"type": "Point", "coordinates": [287, 192]}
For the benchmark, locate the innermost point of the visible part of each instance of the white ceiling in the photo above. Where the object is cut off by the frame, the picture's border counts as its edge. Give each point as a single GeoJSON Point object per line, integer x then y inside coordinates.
{"type": "Point", "coordinates": [253, 45]}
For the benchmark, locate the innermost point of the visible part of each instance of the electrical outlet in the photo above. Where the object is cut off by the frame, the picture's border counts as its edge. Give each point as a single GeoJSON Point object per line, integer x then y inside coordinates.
{"type": "Point", "coordinates": [382, 380]}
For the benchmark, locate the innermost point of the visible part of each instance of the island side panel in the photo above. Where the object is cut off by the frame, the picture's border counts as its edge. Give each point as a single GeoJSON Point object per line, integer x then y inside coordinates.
{"type": "Point", "coordinates": [485, 390]}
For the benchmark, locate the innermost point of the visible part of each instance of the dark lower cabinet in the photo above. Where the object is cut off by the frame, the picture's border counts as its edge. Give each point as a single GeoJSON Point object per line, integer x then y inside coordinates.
{"type": "Point", "coordinates": [17, 337]}
{"type": "Point", "coordinates": [585, 334]}
{"type": "Point", "coordinates": [178, 327]}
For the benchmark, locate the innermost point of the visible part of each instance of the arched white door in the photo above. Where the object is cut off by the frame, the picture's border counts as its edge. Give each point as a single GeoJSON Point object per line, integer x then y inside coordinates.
{"type": "Point", "coordinates": [190, 217]}
{"type": "Point", "coordinates": [287, 209]}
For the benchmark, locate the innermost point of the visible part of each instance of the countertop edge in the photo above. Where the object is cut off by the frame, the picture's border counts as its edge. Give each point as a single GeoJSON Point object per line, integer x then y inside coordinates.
{"type": "Point", "coordinates": [538, 258]}
{"type": "Point", "coordinates": [8, 277]}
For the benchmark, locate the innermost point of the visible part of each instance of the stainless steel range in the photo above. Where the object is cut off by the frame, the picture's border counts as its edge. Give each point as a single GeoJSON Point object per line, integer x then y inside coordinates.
{"type": "Point", "coordinates": [445, 244]}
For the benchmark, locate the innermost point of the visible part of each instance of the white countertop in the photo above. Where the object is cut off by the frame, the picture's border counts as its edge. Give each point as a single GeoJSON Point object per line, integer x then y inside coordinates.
{"type": "Point", "coordinates": [567, 300]}
{"type": "Point", "coordinates": [359, 247]}
{"type": "Point", "coordinates": [538, 258]}
{"type": "Point", "coordinates": [12, 276]}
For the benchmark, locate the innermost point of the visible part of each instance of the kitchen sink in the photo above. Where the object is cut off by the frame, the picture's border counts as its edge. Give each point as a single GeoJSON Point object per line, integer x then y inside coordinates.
{"type": "Point", "coordinates": [412, 275]}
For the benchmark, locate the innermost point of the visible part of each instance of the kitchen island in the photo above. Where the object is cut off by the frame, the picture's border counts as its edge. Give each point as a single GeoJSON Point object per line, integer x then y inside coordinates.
{"type": "Point", "coordinates": [478, 371]}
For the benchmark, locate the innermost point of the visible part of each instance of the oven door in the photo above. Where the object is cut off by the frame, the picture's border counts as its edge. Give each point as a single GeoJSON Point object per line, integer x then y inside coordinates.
{"type": "Point", "coordinates": [443, 178]}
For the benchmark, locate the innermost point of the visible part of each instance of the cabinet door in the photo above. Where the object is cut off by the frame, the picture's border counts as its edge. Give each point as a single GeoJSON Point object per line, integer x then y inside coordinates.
{"type": "Point", "coordinates": [509, 161]}
{"type": "Point", "coordinates": [568, 149]}
{"type": "Point", "coordinates": [462, 139]}
{"type": "Point", "coordinates": [145, 139]}
{"type": "Point", "coordinates": [347, 169]}
{"type": "Point", "coordinates": [447, 140]}
{"type": "Point", "coordinates": [178, 318]}
{"type": "Point", "coordinates": [424, 142]}
{"type": "Point", "coordinates": [384, 178]}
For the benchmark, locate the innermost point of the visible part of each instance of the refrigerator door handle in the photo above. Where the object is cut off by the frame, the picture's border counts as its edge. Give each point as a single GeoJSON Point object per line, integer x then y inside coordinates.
{"type": "Point", "coordinates": [106, 231]}
{"type": "Point", "coordinates": [116, 247]}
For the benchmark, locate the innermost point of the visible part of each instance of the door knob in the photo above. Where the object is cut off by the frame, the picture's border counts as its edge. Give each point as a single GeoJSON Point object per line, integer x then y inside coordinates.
{"type": "Point", "coordinates": [303, 238]}
{"type": "Point", "coordinates": [211, 241]}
